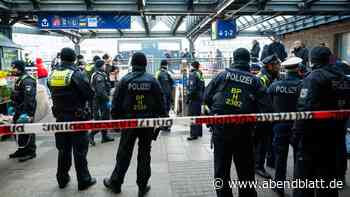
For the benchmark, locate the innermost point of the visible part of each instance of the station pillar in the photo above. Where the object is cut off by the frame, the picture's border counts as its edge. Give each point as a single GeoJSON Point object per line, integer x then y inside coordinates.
{"type": "Point", "coordinates": [6, 26]}
{"type": "Point", "coordinates": [76, 42]}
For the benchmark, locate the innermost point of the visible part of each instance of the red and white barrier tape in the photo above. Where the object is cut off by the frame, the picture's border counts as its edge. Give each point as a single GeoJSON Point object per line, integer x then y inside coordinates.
{"type": "Point", "coordinates": [55, 127]}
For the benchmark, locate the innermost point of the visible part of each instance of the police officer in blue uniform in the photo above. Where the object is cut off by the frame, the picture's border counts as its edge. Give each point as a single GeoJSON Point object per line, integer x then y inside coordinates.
{"type": "Point", "coordinates": [137, 95]}
{"type": "Point", "coordinates": [195, 98]}
{"type": "Point", "coordinates": [167, 84]}
{"type": "Point", "coordinates": [24, 102]}
{"type": "Point", "coordinates": [101, 102]}
{"type": "Point", "coordinates": [263, 132]}
{"type": "Point", "coordinates": [235, 91]}
{"type": "Point", "coordinates": [70, 92]}
{"type": "Point", "coordinates": [284, 95]}
{"type": "Point", "coordinates": [325, 88]}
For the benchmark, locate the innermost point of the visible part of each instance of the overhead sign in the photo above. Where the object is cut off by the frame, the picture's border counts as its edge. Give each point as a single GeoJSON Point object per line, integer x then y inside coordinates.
{"type": "Point", "coordinates": [104, 21]}
{"type": "Point", "coordinates": [223, 29]}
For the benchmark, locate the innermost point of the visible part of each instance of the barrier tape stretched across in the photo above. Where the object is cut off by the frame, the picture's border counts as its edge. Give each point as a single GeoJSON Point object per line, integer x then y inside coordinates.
{"type": "Point", "coordinates": [55, 127]}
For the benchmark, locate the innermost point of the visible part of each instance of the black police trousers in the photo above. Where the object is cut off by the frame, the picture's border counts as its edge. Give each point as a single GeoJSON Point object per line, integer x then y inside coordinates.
{"type": "Point", "coordinates": [281, 141]}
{"type": "Point", "coordinates": [263, 144]}
{"type": "Point", "coordinates": [100, 112]}
{"type": "Point", "coordinates": [78, 142]}
{"type": "Point", "coordinates": [26, 142]}
{"type": "Point", "coordinates": [195, 109]}
{"type": "Point", "coordinates": [124, 154]}
{"type": "Point", "coordinates": [316, 164]}
{"type": "Point", "coordinates": [235, 143]}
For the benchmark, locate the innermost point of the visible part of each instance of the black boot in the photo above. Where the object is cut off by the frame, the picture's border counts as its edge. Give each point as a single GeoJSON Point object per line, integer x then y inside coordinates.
{"type": "Point", "coordinates": [144, 191]}
{"type": "Point", "coordinates": [106, 138]}
{"type": "Point", "coordinates": [17, 154]}
{"type": "Point", "coordinates": [192, 138]}
{"type": "Point", "coordinates": [27, 157]}
{"type": "Point", "coordinates": [63, 182]}
{"type": "Point", "coordinates": [86, 185]}
{"type": "Point", "coordinates": [116, 188]}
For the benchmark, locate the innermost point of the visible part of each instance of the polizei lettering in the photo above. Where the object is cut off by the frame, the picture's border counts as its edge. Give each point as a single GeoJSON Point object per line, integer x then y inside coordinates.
{"type": "Point", "coordinates": [239, 78]}
{"type": "Point", "coordinates": [139, 86]}
{"type": "Point", "coordinates": [144, 123]}
{"type": "Point", "coordinates": [57, 127]}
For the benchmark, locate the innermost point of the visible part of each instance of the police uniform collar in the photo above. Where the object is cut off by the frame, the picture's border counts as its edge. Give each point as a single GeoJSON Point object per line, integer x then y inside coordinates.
{"type": "Point", "coordinates": [243, 67]}
{"type": "Point", "coordinates": [70, 66]}
{"type": "Point", "coordinates": [138, 68]}
{"type": "Point", "coordinates": [194, 69]}
{"type": "Point", "coordinates": [292, 75]}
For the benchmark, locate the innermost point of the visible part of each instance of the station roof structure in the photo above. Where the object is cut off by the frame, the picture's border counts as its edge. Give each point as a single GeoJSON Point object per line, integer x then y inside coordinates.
{"type": "Point", "coordinates": [184, 18]}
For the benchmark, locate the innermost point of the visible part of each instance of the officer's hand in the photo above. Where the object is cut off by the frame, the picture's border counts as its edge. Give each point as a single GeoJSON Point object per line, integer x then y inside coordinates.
{"type": "Point", "coordinates": [24, 118]}
{"type": "Point", "coordinates": [11, 111]}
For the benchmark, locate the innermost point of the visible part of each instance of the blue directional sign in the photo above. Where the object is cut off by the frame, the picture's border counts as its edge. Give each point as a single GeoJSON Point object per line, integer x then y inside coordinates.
{"type": "Point", "coordinates": [71, 21]}
{"type": "Point", "coordinates": [224, 29]}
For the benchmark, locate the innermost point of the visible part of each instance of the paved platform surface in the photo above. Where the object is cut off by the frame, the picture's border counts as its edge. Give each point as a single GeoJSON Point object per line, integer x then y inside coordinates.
{"type": "Point", "coordinates": [179, 169]}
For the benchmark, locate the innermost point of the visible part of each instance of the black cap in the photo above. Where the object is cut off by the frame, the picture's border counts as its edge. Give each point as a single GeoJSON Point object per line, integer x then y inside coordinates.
{"type": "Point", "coordinates": [320, 55]}
{"type": "Point", "coordinates": [164, 63]}
{"type": "Point", "coordinates": [241, 56]}
{"type": "Point", "coordinates": [99, 63]}
{"type": "Point", "coordinates": [139, 59]}
{"type": "Point", "coordinates": [19, 64]}
{"type": "Point", "coordinates": [68, 55]}
{"type": "Point", "coordinates": [105, 56]}
{"type": "Point", "coordinates": [95, 58]}
{"type": "Point", "coordinates": [195, 64]}
{"type": "Point", "coordinates": [272, 59]}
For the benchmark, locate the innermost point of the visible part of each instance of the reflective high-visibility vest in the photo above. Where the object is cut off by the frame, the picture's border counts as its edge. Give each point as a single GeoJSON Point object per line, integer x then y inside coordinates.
{"type": "Point", "coordinates": [60, 78]}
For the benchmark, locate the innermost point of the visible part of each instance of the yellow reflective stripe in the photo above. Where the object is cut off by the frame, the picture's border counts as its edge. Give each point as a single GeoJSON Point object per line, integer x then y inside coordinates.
{"type": "Point", "coordinates": [89, 67]}
{"type": "Point", "coordinates": [60, 78]}
{"type": "Point", "coordinates": [157, 74]}
{"type": "Point", "coordinates": [4, 74]}
{"type": "Point", "coordinates": [264, 80]}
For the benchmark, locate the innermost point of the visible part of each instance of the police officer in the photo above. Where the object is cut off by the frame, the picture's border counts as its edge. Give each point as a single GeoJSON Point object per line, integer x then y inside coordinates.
{"type": "Point", "coordinates": [263, 133]}
{"type": "Point", "coordinates": [137, 95]}
{"type": "Point", "coordinates": [70, 92]}
{"type": "Point", "coordinates": [325, 88]}
{"type": "Point", "coordinates": [167, 84]}
{"type": "Point", "coordinates": [284, 95]}
{"type": "Point", "coordinates": [195, 97]}
{"type": "Point", "coordinates": [235, 91]}
{"type": "Point", "coordinates": [24, 102]}
{"type": "Point", "coordinates": [101, 103]}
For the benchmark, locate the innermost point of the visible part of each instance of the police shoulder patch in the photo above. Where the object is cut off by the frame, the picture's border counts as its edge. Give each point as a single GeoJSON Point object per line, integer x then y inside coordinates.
{"type": "Point", "coordinates": [303, 93]}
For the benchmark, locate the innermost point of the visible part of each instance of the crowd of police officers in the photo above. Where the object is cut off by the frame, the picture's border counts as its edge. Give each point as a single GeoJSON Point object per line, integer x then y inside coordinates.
{"type": "Point", "coordinates": [82, 92]}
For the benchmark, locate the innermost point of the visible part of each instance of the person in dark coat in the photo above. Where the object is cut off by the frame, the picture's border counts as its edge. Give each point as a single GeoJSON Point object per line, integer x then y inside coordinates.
{"type": "Point", "coordinates": [70, 91]}
{"type": "Point", "coordinates": [101, 102]}
{"type": "Point", "coordinates": [195, 98]}
{"type": "Point", "coordinates": [300, 51]}
{"type": "Point", "coordinates": [325, 88]}
{"type": "Point", "coordinates": [235, 91]}
{"type": "Point", "coordinates": [167, 83]}
{"type": "Point", "coordinates": [265, 52]}
{"type": "Point", "coordinates": [24, 102]}
{"type": "Point", "coordinates": [277, 48]}
{"type": "Point", "coordinates": [255, 51]}
{"type": "Point", "coordinates": [284, 95]}
{"type": "Point", "coordinates": [137, 95]}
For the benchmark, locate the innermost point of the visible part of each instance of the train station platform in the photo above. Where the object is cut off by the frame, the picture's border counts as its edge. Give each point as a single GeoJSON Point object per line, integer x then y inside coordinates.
{"type": "Point", "coordinates": [179, 169]}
